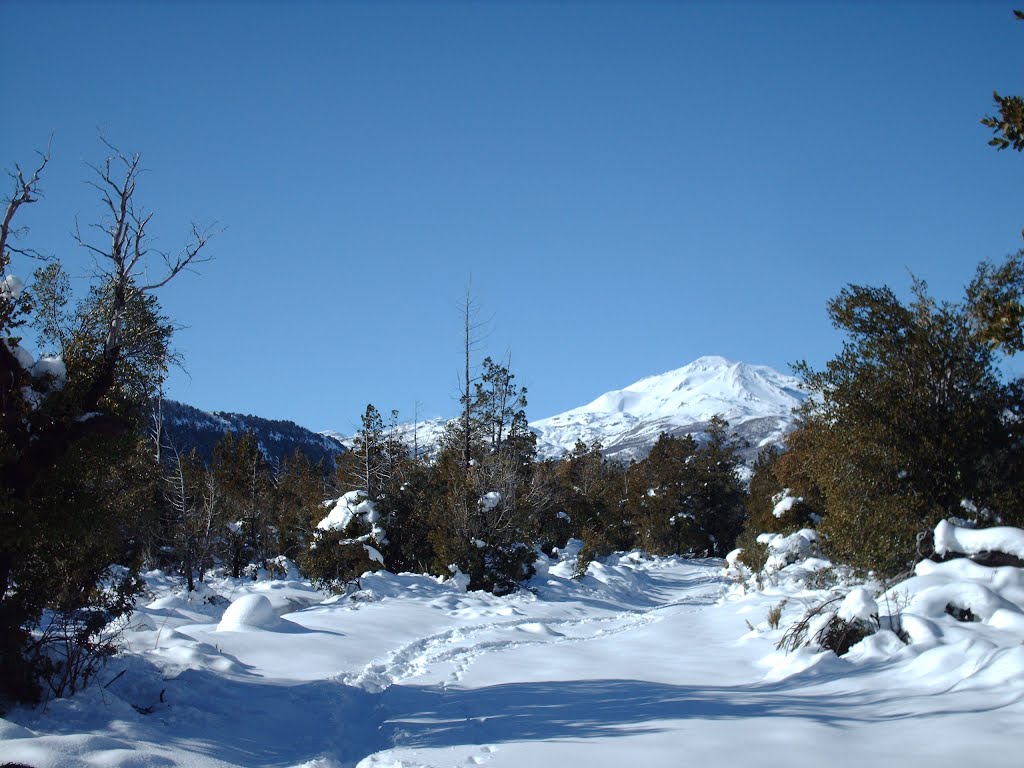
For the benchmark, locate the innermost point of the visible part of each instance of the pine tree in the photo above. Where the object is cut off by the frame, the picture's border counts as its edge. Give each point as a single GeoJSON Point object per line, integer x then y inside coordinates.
{"type": "Point", "coordinates": [243, 479]}
{"type": "Point", "coordinates": [298, 495]}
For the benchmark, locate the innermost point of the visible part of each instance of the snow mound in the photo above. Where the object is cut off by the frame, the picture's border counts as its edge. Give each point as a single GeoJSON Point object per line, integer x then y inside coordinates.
{"type": "Point", "coordinates": [249, 612]}
{"type": "Point", "coordinates": [858, 605]}
{"type": "Point", "coordinates": [942, 600]}
{"type": "Point", "coordinates": [951, 619]}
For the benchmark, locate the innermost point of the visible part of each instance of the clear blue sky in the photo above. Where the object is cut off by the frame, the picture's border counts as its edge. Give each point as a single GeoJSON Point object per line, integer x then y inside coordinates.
{"type": "Point", "coordinates": [629, 185]}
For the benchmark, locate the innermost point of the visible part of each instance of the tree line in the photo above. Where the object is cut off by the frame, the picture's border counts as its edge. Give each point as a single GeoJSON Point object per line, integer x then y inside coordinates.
{"type": "Point", "coordinates": [488, 513]}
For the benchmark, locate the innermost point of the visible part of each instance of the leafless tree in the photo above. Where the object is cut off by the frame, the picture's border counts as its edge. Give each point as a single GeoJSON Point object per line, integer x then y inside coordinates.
{"type": "Point", "coordinates": [122, 264]}
{"type": "Point", "coordinates": [123, 260]}
{"type": "Point", "coordinates": [472, 338]}
{"type": "Point", "coordinates": [26, 190]}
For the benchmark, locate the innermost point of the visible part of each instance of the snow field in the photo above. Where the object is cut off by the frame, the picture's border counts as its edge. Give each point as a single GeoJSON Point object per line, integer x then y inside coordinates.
{"type": "Point", "coordinates": [646, 661]}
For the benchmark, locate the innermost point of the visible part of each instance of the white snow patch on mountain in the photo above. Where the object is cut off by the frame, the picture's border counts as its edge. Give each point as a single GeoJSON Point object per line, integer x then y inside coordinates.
{"type": "Point", "coordinates": [628, 421]}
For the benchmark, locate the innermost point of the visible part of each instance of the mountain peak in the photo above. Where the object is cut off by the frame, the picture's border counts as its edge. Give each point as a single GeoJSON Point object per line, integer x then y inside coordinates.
{"type": "Point", "coordinates": [756, 400]}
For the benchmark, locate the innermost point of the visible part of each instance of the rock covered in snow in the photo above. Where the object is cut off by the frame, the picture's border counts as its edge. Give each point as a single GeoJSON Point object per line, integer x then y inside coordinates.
{"type": "Point", "coordinates": [354, 506]}
{"type": "Point", "coordinates": [347, 508]}
{"type": "Point", "coordinates": [784, 502]}
{"type": "Point", "coordinates": [490, 500]}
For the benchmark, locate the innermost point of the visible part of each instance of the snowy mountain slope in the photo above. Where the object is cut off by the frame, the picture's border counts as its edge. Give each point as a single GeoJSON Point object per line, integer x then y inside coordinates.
{"type": "Point", "coordinates": [756, 400]}
{"type": "Point", "coordinates": [423, 436]}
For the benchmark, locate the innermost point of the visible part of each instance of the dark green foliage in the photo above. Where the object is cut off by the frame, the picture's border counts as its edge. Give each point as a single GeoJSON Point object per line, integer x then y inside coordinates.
{"type": "Point", "coordinates": [995, 301]}
{"type": "Point", "coordinates": [59, 541]}
{"type": "Point", "coordinates": [913, 419]}
{"type": "Point", "coordinates": [404, 507]}
{"type": "Point", "coordinates": [776, 472]}
{"type": "Point", "coordinates": [1008, 126]}
{"type": "Point", "coordinates": [77, 478]}
{"type": "Point", "coordinates": [764, 487]}
{"type": "Point", "coordinates": [297, 506]}
{"type": "Point", "coordinates": [244, 481]}
{"type": "Point", "coordinates": [489, 499]}
{"type": "Point", "coordinates": [688, 497]}
{"type": "Point", "coordinates": [591, 505]}
{"type": "Point", "coordinates": [336, 561]}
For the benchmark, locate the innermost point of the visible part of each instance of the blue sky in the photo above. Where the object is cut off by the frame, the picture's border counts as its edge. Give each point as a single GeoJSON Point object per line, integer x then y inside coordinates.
{"type": "Point", "coordinates": [628, 186]}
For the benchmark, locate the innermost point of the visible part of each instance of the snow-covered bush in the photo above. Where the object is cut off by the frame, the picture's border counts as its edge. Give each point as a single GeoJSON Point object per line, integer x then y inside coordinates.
{"type": "Point", "coordinates": [346, 543]}
{"type": "Point", "coordinates": [836, 624]}
{"type": "Point", "coordinates": [959, 601]}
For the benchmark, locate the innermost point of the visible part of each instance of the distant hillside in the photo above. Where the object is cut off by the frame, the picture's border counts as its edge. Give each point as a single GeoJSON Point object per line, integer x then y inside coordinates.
{"type": "Point", "coordinates": [186, 428]}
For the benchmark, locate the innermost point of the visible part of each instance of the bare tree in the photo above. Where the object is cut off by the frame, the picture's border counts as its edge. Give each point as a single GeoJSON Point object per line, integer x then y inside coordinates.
{"type": "Point", "coordinates": [472, 339]}
{"type": "Point", "coordinates": [26, 191]}
{"type": "Point", "coordinates": [122, 266]}
{"type": "Point", "coordinates": [123, 261]}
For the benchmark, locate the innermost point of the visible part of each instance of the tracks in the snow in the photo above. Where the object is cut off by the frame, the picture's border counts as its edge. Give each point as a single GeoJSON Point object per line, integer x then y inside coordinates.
{"type": "Point", "coordinates": [460, 646]}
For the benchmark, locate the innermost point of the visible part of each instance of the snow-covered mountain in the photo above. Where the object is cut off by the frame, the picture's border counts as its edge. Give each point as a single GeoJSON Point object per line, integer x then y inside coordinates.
{"type": "Point", "coordinates": [423, 436]}
{"type": "Point", "coordinates": [756, 400]}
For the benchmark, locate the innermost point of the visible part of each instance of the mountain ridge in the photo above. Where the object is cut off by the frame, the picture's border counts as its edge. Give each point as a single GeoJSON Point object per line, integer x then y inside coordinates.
{"type": "Point", "coordinates": [185, 427]}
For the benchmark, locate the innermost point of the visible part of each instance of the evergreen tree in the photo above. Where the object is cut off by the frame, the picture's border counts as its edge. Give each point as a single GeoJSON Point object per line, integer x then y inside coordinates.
{"type": "Point", "coordinates": [298, 495]}
{"type": "Point", "coordinates": [688, 496]}
{"type": "Point", "coordinates": [76, 473]}
{"type": "Point", "coordinates": [1008, 126]}
{"type": "Point", "coordinates": [590, 497]}
{"type": "Point", "coordinates": [912, 420]}
{"type": "Point", "coordinates": [244, 481]}
{"type": "Point", "coordinates": [660, 488]}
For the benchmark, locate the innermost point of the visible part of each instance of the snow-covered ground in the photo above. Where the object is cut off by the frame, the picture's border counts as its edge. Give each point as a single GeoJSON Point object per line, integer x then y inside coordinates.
{"type": "Point", "coordinates": [646, 662]}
